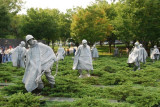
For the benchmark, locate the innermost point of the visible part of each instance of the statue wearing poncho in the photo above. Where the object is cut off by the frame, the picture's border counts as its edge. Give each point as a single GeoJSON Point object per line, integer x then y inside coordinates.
{"type": "Point", "coordinates": [134, 57]}
{"type": "Point", "coordinates": [116, 51]}
{"type": "Point", "coordinates": [60, 53]}
{"type": "Point", "coordinates": [155, 53]}
{"type": "Point", "coordinates": [18, 55]}
{"type": "Point", "coordinates": [94, 52]}
{"type": "Point", "coordinates": [143, 54]}
{"type": "Point", "coordinates": [83, 59]}
{"type": "Point", "coordinates": [39, 60]}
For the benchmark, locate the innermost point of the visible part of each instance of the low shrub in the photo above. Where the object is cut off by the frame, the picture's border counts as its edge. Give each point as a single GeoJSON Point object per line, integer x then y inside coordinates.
{"type": "Point", "coordinates": [12, 89]}
{"type": "Point", "coordinates": [23, 100]}
{"type": "Point", "coordinates": [5, 76]}
{"type": "Point", "coordinates": [113, 79]}
{"type": "Point", "coordinates": [109, 69]}
{"type": "Point", "coordinates": [147, 99]}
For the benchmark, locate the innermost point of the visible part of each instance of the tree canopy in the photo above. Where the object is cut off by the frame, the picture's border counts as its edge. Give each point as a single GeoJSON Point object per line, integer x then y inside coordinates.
{"type": "Point", "coordinates": [125, 20]}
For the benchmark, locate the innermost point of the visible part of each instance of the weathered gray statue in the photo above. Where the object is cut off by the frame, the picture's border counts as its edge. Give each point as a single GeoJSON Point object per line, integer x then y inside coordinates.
{"type": "Point", "coordinates": [39, 61]}
{"type": "Point", "coordinates": [60, 53]}
{"type": "Point", "coordinates": [116, 51]}
{"type": "Point", "coordinates": [134, 57]}
{"type": "Point", "coordinates": [83, 59]}
{"type": "Point", "coordinates": [94, 52]}
{"type": "Point", "coordinates": [143, 54]}
{"type": "Point", "coordinates": [18, 55]}
{"type": "Point", "coordinates": [155, 54]}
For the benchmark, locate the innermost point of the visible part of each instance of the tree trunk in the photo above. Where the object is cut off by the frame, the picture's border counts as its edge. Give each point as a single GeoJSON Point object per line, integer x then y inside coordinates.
{"type": "Point", "coordinates": [48, 42]}
{"type": "Point", "coordinates": [52, 44]}
{"type": "Point", "coordinates": [101, 43]}
{"type": "Point", "coordinates": [110, 49]}
{"type": "Point", "coordinates": [114, 44]}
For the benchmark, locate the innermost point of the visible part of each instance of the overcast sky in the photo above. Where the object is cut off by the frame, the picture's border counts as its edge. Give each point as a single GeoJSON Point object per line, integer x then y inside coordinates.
{"type": "Point", "coordinates": [61, 5]}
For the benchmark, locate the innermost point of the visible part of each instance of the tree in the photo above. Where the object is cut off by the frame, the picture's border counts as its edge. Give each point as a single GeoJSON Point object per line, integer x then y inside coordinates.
{"type": "Point", "coordinates": [90, 24]}
{"type": "Point", "coordinates": [16, 25]}
{"type": "Point", "coordinates": [123, 26]}
{"type": "Point", "coordinates": [4, 20]}
{"type": "Point", "coordinates": [146, 20]}
{"type": "Point", "coordinates": [65, 21]}
{"type": "Point", "coordinates": [8, 8]}
{"type": "Point", "coordinates": [138, 20]}
{"type": "Point", "coordinates": [41, 23]}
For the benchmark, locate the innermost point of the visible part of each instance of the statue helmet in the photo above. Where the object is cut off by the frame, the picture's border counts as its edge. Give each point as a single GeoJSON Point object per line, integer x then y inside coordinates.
{"type": "Point", "coordinates": [136, 44]}
{"type": "Point", "coordinates": [28, 37]}
{"type": "Point", "coordinates": [84, 41]}
{"type": "Point", "coordinates": [140, 45]}
{"type": "Point", "coordinates": [155, 46]}
{"type": "Point", "coordinates": [22, 43]}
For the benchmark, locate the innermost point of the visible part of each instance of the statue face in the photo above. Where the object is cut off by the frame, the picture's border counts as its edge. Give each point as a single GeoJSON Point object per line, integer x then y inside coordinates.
{"type": "Point", "coordinates": [31, 42]}
{"type": "Point", "coordinates": [23, 45]}
{"type": "Point", "coordinates": [84, 44]}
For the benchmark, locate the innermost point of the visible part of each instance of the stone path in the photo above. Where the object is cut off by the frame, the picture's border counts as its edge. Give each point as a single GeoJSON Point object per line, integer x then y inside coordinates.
{"type": "Point", "coordinates": [59, 99]}
{"type": "Point", "coordinates": [113, 101]}
{"type": "Point", "coordinates": [63, 99]}
{"type": "Point", "coordinates": [6, 84]}
{"type": "Point", "coordinates": [86, 76]}
{"type": "Point", "coordinates": [103, 86]}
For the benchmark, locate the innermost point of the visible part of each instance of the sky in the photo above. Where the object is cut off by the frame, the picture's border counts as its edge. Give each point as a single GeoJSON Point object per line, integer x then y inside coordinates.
{"type": "Point", "coordinates": [61, 5]}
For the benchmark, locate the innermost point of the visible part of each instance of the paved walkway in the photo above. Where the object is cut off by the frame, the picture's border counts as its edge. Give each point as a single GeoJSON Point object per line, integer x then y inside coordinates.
{"type": "Point", "coordinates": [6, 84]}
{"type": "Point", "coordinates": [59, 99]}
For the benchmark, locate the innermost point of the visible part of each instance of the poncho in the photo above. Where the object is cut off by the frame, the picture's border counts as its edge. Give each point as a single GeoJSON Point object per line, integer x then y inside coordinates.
{"type": "Point", "coordinates": [39, 58]}
{"type": "Point", "coordinates": [83, 59]}
{"type": "Point", "coordinates": [60, 53]}
{"type": "Point", "coordinates": [134, 56]}
{"type": "Point", "coordinates": [116, 51]}
{"type": "Point", "coordinates": [18, 56]}
{"type": "Point", "coordinates": [94, 52]}
{"type": "Point", "coordinates": [154, 52]}
{"type": "Point", "coordinates": [143, 55]}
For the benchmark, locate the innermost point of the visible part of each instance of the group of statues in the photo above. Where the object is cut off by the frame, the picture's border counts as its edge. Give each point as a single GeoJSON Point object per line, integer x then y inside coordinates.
{"type": "Point", "coordinates": [138, 55]}
{"type": "Point", "coordinates": [39, 59]}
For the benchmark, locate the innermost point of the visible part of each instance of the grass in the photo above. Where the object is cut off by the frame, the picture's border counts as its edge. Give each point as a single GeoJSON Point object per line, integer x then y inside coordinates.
{"type": "Point", "coordinates": [129, 88]}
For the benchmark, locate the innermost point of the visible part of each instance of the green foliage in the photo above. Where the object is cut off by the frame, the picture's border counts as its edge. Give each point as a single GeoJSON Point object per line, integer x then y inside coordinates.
{"type": "Point", "coordinates": [41, 23]}
{"type": "Point", "coordinates": [91, 102]}
{"type": "Point", "coordinates": [111, 79]}
{"type": "Point", "coordinates": [4, 19]}
{"type": "Point", "coordinates": [109, 69]}
{"type": "Point", "coordinates": [148, 99]}
{"type": "Point", "coordinates": [5, 76]}
{"type": "Point", "coordinates": [92, 80]}
{"type": "Point", "coordinates": [8, 8]}
{"type": "Point", "coordinates": [64, 23]}
{"type": "Point", "coordinates": [90, 23]}
{"type": "Point", "coordinates": [12, 89]}
{"type": "Point", "coordinates": [23, 100]}
{"type": "Point", "coordinates": [3, 101]}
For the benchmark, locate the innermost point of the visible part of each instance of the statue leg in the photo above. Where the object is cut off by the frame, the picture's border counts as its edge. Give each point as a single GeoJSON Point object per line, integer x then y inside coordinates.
{"type": "Point", "coordinates": [50, 78]}
{"type": "Point", "coordinates": [135, 66]}
{"type": "Point", "coordinates": [80, 72]}
{"type": "Point", "coordinates": [157, 57]}
{"type": "Point", "coordinates": [153, 60]}
{"type": "Point", "coordinates": [88, 73]}
{"type": "Point", "coordinates": [138, 63]}
{"type": "Point", "coordinates": [40, 85]}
